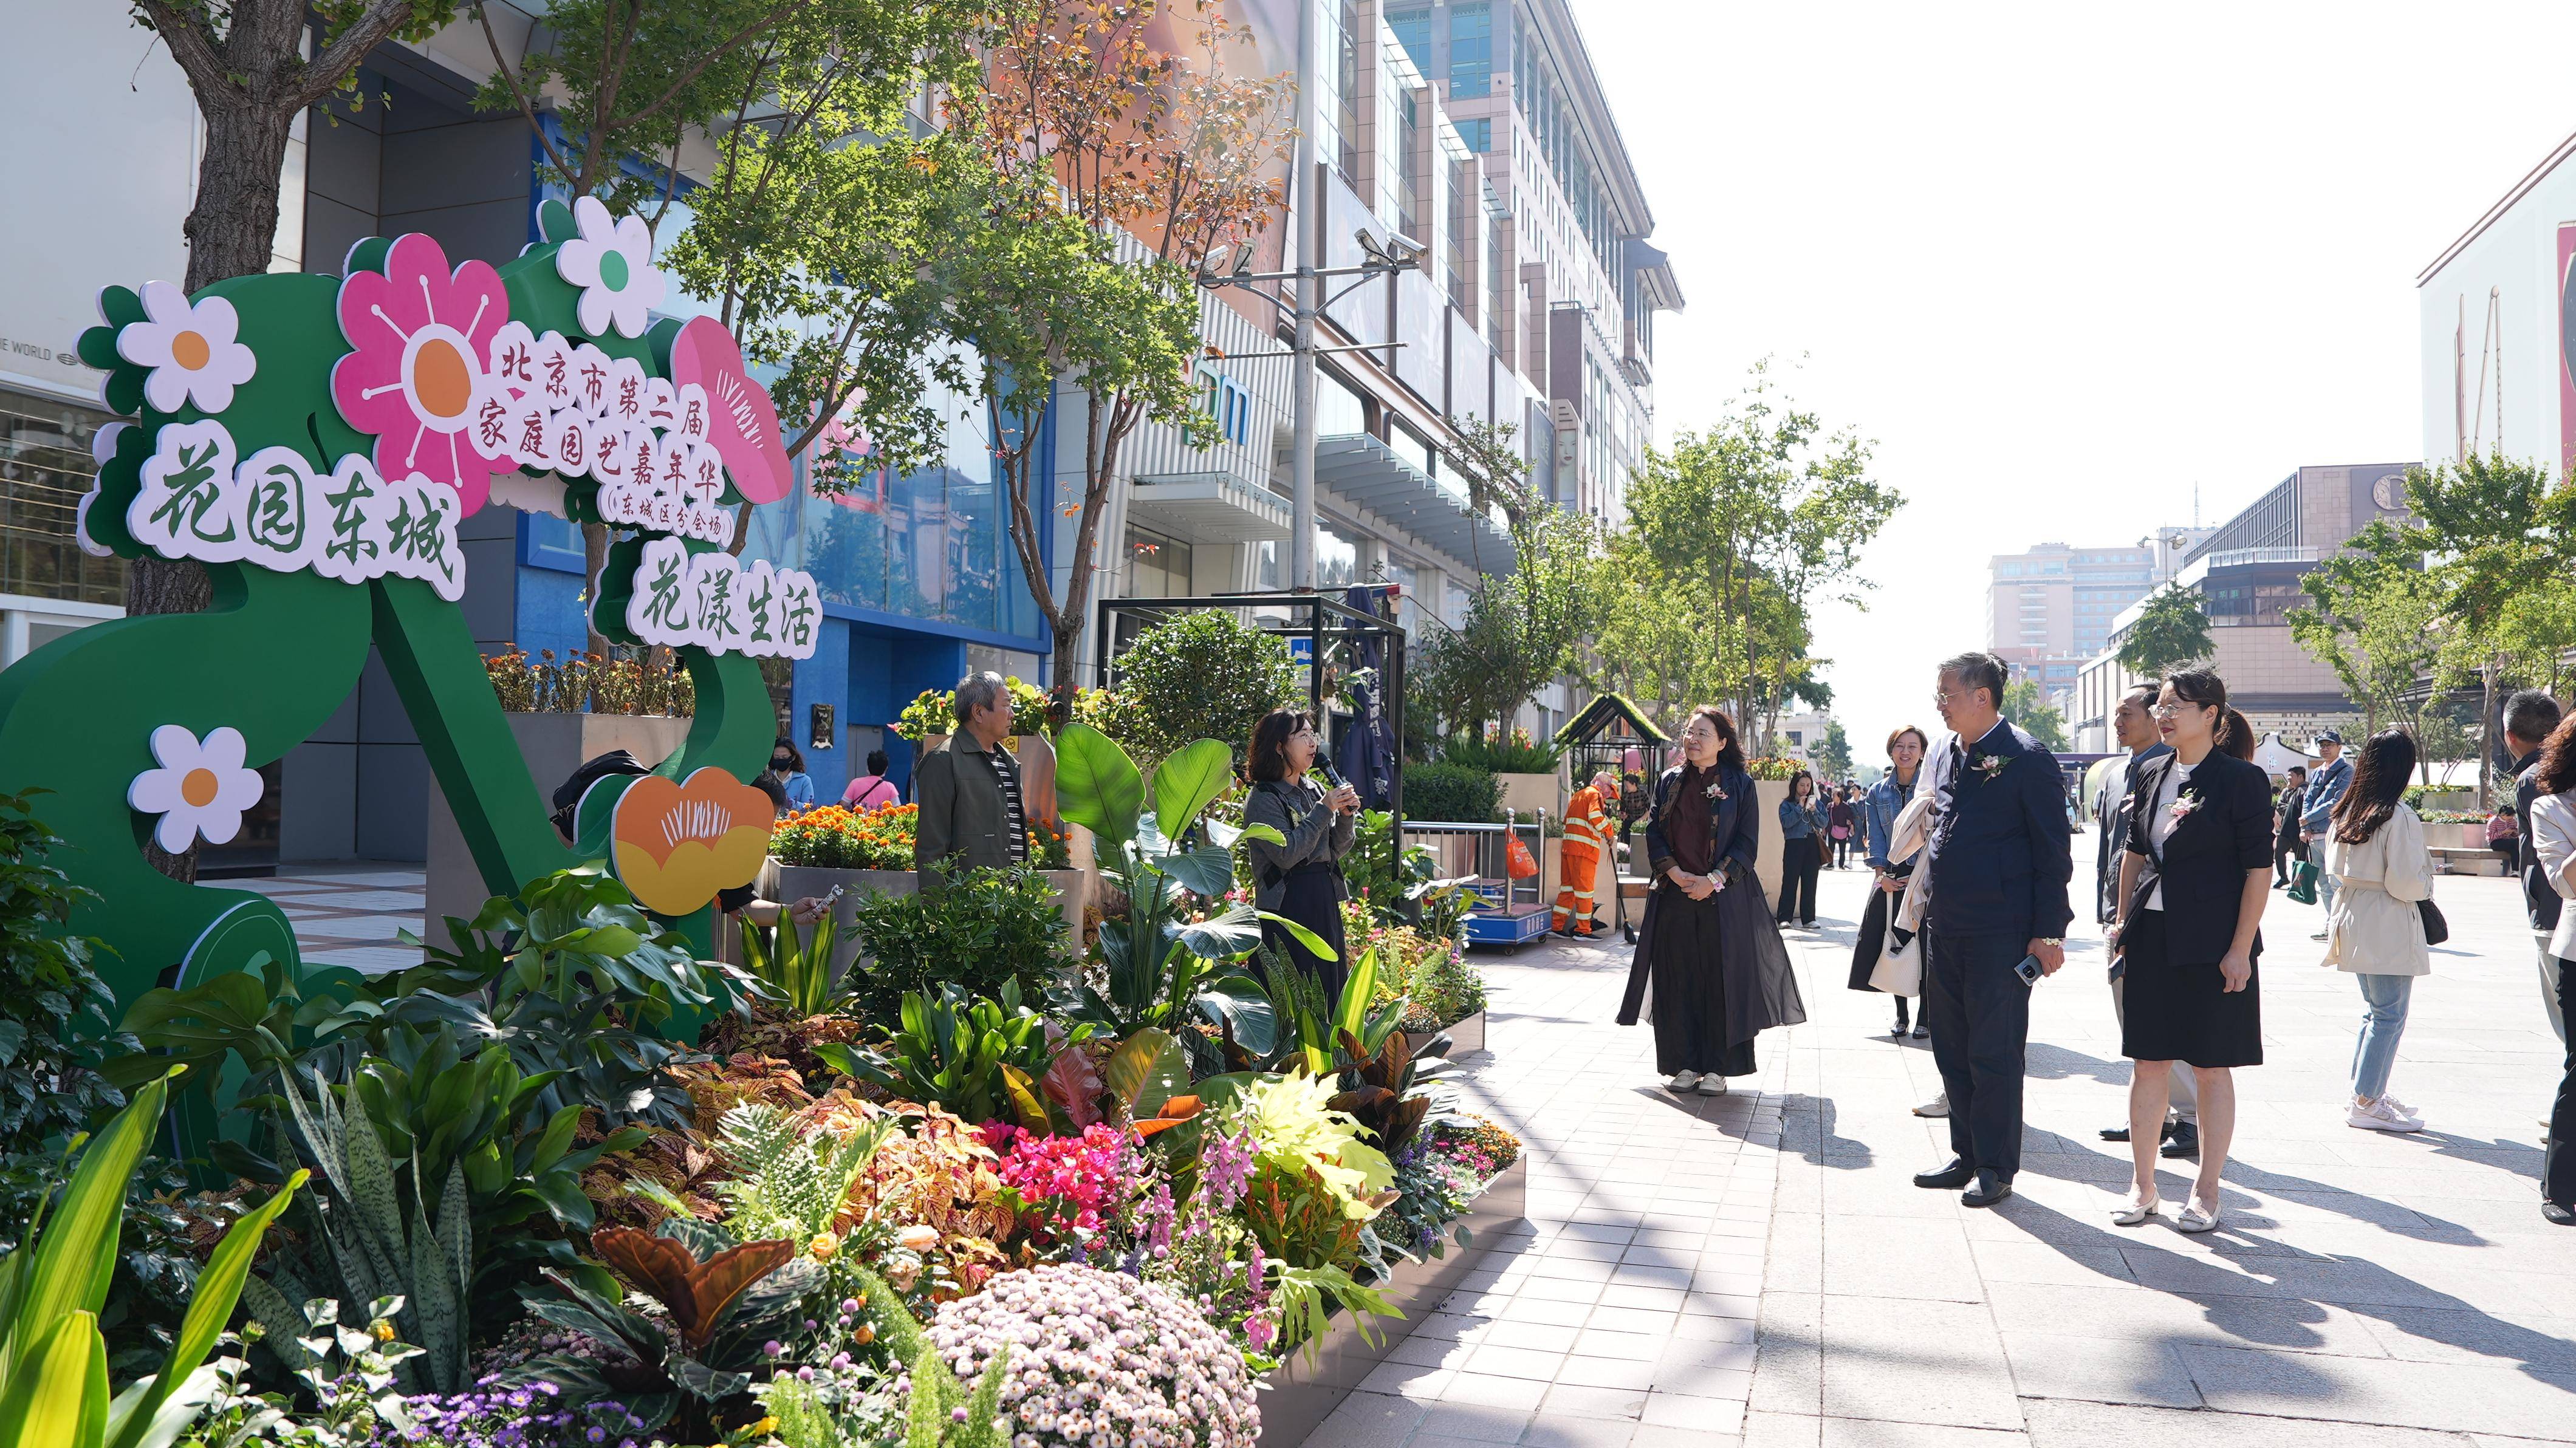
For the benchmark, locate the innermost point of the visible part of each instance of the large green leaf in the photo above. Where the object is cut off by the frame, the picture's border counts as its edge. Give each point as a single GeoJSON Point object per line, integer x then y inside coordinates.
{"type": "Point", "coordinates": [219, 1287]}
{"type": "Point", "coordinates": [1189, 781]}
{"type": "Point", "coordinates": [1237, 1003]}
{"type": "Point", "coordinates": [1148, 1069]}
{"type": "Point", "coordinates": [1207, 871]}
{"type": "Point", "coordinates": [1097, 785]}
{"type": "Point", "coordinates": [1303, 936]}
{"type": "Point", "coordinates": [71, 1263]}
{"type": "Point", "coordinates": [1229, 933]}
{"type": "Point", "coordinates": [57, 1398]}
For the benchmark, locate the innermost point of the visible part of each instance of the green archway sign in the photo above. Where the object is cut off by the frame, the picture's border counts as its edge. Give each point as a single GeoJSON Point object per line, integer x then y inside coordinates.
{"type": "Point", "coordinates": [314, 442]}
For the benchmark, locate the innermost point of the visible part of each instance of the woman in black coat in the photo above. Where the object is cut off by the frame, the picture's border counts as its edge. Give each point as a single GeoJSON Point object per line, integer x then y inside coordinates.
{"type": "Point", "coordinates": [2193, 885]}
{"type": "Point", "coordinates": [1707, 949]}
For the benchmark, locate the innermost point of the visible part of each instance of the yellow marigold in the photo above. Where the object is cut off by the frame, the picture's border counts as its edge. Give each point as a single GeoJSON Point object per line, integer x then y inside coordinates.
{"type": "Point", "coordinates": [824, 1246]}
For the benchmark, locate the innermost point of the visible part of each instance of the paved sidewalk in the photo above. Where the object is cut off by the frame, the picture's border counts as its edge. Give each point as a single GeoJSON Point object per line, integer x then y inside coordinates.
{"type": "Point", "coordinates": [348, 915]}
{"type": "Point", "coordinates": [1758, 1269]}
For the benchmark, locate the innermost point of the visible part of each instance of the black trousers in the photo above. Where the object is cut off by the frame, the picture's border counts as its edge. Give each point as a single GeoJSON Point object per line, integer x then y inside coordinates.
{"type": "Point", "coordinates": [1980, 1016]}
{"type": "Point", "coordinates": [2284, 853]}
{"type": "Point", "coordinates": [2558, 1168]}
{"type": "Point", "coordinates": [1799, 861]}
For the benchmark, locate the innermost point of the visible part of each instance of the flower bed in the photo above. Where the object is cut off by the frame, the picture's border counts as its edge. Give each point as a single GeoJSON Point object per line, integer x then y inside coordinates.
{"type": "Point", "coordinates": [1058, 1197]}
{"type": "Point", "coordinates": [836, 837]}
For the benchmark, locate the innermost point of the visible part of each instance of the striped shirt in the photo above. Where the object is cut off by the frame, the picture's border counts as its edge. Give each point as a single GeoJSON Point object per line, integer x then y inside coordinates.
{"type": "Point", "coordinates": [1006, 771]}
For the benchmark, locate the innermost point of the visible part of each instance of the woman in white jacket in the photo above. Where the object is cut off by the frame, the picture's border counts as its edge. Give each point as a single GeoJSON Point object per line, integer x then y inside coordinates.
{"type": "Point", "coordinates": [2375, 930]}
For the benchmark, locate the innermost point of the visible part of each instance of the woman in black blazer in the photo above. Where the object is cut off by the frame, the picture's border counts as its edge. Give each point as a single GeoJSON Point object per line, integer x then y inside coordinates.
{"type": "Point", "coordinates": [1708, 953]}
{"type": "Point", "coordinates": [2193, 884]}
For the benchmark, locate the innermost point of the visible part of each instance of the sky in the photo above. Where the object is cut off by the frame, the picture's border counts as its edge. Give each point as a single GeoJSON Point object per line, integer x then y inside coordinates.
{"type": "Point", "coordinates": [2065, 264]}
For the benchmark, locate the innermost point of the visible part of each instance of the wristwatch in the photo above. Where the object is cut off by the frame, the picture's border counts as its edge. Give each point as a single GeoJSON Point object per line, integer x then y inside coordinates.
{"type": "Point", "coordinates": [2057, 940]}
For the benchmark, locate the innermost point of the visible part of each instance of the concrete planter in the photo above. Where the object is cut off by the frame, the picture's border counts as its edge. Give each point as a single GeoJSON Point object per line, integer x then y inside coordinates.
{"type": "Point", "coordinates": [1464, 1036]}
{"type": "Point", "coordinates": [1304, 1391]}
{"type": "Point", "coordinates": [554, 745]}
{"type": "Point", "coordinates": [1767, 796]}
{"type": "Point", "coordinates": [1527, 793]}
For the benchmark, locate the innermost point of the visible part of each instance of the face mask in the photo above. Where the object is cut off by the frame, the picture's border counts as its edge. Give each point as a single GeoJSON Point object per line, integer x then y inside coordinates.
{"type": "Point", "coordinates": [782, 765]}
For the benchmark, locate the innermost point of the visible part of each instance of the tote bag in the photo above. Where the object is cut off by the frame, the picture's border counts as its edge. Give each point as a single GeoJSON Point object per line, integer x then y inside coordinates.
{"type": "Point", "coordinates": [2303, 882]}
{"type": "Point", "coordinates": [1899, 971]}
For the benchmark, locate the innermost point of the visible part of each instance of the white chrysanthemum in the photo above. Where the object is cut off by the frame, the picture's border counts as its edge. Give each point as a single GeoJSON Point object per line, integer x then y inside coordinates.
{"type": "Point", "coordinates": [200, 789]}
{"type": "Point", "coordinates": [190, 348]}
{"type": "Point", "coordinates": [612, 262]}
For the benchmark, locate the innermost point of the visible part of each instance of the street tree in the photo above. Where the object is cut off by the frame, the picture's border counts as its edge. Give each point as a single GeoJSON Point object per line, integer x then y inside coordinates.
{"type": "Point", "coordinates": [2381, 622]}
{"type": "Point", "coordinates": [1126, 167]}
{"type": "Point", "coordinates": [1834, 755]}
{"type": "Point", "coordinates": [2171, 632]}
{"type": "Point", "coordinates": [2030, 709]}
{"type": "Point", "coordinates": [1522, 627]}
{"type": "Point", "coordinates": [2499, 536]}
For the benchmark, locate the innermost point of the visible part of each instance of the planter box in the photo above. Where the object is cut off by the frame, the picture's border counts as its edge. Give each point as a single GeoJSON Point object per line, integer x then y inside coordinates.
{"type": "Point", "coordinates": [784, 882]}
{"type": "Point", "coordinates": [2456, 836]}
{"type": "Point", "coordinates": [554, 745]}
{"type": "Point", "coordinates": [1529, 792]}
{"type": "Point", "coordinates": [1464, 1036]}
{"type": "Point", "coordinates": [1767, 796]}
{"type": "Point", "coordinates": [1303, 1392]}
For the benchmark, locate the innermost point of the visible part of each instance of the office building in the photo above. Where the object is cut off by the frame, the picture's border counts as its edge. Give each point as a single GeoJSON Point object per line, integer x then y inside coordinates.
{"type": "Point", "coordinates": [2049, 609]}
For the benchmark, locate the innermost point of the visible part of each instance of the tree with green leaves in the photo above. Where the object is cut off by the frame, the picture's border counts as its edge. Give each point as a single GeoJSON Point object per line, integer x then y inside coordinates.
{"type": "Point", "coordinates": [2171, 632]}
{"type": "Point", "coordinates": [1125, 166]}
{"type": "Point", "coordinates": [1659, 643]}
{"type": "Point", "coordinates": [1833, 754]}
{"type": "Point", "coordinates": [1766, 513]}
{"type": "Point", "coordinates": [2381, 622]}
{"type": "Point", "coordinates": [2030, 709]}
{"type": "Point", "coordinates": [1522, 628]}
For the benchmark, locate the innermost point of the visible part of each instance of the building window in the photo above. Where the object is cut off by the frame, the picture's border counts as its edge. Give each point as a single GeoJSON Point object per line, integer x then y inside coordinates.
{"type": "Point", "coordinates": [45, 467]}
{"type": "Point", "coordinates": [1478, 134]}
{"type": "Point", "coordinates": [1471, 49]}
{"type": "Point", "coordinates": [1346, 101]}
{"type": "Point", "coordinates": [1158, 566]}
{"type": "Point", "coordinates": [1412, 27]}
{"type": "Point", "coordinates": [1336, 558]}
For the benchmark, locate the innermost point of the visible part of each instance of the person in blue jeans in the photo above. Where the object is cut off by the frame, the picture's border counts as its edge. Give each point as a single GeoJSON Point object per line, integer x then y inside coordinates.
{"type": "Point", "coordinates": [2326, 785]}
{"type": "Point", "coordinates": [1802, 826]}
{"type": "Point", "coordinates": [2377, 859]}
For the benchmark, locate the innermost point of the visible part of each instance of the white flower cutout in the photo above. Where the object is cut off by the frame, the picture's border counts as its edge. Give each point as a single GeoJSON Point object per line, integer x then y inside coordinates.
{"type": "Point", "coordinates": [612, 262]}
{"type": "Point", "coordinates": [200, 789]}
{"type": "Point", "coordinates": [190, 348]}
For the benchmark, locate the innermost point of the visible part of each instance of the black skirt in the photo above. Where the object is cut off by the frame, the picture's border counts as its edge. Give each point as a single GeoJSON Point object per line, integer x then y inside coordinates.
{"type": "Point", "coordinates": [1313, 898]}
{"type": "Point", "coordinates": [2178, 1010]}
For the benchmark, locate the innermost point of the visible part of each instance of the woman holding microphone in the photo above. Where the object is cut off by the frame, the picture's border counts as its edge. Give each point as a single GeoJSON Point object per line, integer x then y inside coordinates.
{"type": "Point", "coordinates": [1302, 878]}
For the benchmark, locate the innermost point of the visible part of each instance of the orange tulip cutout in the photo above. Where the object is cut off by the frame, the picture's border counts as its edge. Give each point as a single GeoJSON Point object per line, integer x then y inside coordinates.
{"type": "Point", "coordinates": [676, 845]}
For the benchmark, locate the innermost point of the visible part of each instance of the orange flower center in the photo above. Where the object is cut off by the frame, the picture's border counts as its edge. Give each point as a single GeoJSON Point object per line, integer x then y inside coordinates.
{"type": "Point", "coordinates": [190, 350]}
{"type": "Point", "coordinates": [199, 787]}
{"type": "Point", "coordinates": [441, 379]}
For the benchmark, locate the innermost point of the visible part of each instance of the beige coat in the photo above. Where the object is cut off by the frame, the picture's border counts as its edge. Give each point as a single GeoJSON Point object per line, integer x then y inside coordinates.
{"type": "Point", "coordinates": [2374, 928]}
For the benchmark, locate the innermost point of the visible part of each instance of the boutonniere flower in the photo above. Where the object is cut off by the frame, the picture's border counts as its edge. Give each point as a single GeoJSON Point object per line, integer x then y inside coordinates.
{"type": "Point", "coordinates": [2182, 808]}
{"type": "Point", "coordinates": [1992, 765]}
{"type": "Point", "coordinates": [1716, 790]}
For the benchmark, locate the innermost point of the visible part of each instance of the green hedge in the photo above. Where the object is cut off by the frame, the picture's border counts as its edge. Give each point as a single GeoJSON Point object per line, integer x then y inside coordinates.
{"type": "Point", "coordinates": [1451, 794]}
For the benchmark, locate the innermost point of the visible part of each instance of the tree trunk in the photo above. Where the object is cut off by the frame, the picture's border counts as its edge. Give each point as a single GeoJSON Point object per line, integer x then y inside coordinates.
{"type": "Point", "coordinates": [233, 229]}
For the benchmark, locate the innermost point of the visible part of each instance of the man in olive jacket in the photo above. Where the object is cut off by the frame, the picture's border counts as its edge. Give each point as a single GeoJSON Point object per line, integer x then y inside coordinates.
{"type": "Point", "coordinates": [968, 791]}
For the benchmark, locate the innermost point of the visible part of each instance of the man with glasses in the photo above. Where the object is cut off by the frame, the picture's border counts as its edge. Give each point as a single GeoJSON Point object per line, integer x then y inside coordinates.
{"type": "Point", "coordinates": [1996, 871]}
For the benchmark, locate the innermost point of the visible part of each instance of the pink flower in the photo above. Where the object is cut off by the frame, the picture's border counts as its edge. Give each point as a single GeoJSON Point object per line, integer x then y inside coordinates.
{"type": "Point", "coordinates": [422, 335]}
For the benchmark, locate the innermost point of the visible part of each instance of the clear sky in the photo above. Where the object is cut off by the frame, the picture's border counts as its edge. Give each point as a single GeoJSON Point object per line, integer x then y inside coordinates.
{"type": "Point", "coordinates": [2064, 262]}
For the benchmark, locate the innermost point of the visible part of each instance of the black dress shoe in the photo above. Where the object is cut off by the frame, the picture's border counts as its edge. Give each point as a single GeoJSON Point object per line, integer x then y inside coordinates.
{"type": "Point", "coordinates": [2182, 1138]}
{"type": "Point", "coordinates": [1922, 1030]}
{"type": "Point", "coordinates": [1990, 1189]}
{"type": "Point", "coordinates": [1957, 1174]}
{"type": "Point", "coordinates": [2115, 1133]}
{"type": "Point", "coordinates": [2557, 1215]}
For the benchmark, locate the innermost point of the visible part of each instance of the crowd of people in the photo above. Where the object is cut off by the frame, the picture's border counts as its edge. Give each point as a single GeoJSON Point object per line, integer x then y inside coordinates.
{"type": "Point", "coordinates": [1969, 843]}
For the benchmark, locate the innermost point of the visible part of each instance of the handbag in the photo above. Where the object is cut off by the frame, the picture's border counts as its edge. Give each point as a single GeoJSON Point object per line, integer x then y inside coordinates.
{"type": "Point", "coordinates": [2436, 929]}
{"type": "Point", "coordinates": [1899, 971]}
{"type": "Point", "coordinates": [2303, 882]}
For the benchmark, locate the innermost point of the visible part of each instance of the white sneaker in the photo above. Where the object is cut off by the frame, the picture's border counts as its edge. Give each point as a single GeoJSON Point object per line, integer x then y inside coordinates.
{"type": "Point", "coordinates": [2379, 1115]}
{"type": "Point", "coordinates": [1712, 1085]}
{"type": "Point", "coordinates": [2389, 1099]}
{"type": "Point", "coordinates": [1682, 1081]}
{"type": "Point", "coordinates": [1937, 1106]}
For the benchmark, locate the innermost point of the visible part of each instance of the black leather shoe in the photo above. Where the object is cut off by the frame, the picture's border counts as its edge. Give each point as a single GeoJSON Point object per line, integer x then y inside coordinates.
{"type": "Point", "coordinates": [1990, 1189]}
{"type": "Point", "coordinates": [1957, 1174]}
{"type": "Point", "coordinates": [2556, 1215]}
{"type": "Point", "coordinates": [2182, 1138]}
{"type": "Point", "coordinates": [2115, 1133]}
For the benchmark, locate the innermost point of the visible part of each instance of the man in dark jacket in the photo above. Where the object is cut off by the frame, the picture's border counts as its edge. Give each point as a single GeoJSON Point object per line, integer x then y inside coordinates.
{"type": "Point", "coordinates": [2285, 827]}
{"type": "Point", "coordinates": [968, 789]}
{"type": "Point", "coordinates": [1998, 865]}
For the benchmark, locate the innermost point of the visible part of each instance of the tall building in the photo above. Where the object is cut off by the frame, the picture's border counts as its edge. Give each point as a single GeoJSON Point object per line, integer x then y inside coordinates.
{"type": "Point", "coordinates": [2247, 573]}
{"type": "Point", "coordinates": [2494, 308]}
{"type": "Point", "coordinates": [2048, 610]}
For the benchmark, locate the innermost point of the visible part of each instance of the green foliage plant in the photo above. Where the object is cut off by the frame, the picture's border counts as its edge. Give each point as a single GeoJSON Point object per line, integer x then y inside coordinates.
{"type": "Point", "coordinates": [979, 1058]}
{"type": "Point", "coordinates": [1172, 956]}
{"type": "Point", "coordinates": [1202, 674]}
{"type": "Point", "coordinates": [54, 1389]}
{"type": "Point", "coordinates": [796, 967]}
{"type": "Point", "coordinates": [54, 1023]}
{"type": "Point", "coordinates": [942, 1411]}
{"type": "Point", "coordinates": [1446, 793]}
{"type": "Point", "coordinates": [985, 929]}
{"type": "Point", "coordinates": [1499, 753]}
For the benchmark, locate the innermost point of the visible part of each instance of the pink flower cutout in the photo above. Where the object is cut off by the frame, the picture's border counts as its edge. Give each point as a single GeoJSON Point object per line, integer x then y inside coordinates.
{"type": "Point", "coordinates": [422, 334]}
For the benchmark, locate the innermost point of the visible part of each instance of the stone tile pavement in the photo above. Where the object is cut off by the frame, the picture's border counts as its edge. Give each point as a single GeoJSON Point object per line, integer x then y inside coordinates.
{"type": "Point", "coordinates": [348, 915]}
{"type": "Point", "coordinates": [1758, 1270]}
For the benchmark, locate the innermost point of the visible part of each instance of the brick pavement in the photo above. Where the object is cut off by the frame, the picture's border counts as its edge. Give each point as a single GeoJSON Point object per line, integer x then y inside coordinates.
{"type": "Point", "coordinates": [1758, 1270]}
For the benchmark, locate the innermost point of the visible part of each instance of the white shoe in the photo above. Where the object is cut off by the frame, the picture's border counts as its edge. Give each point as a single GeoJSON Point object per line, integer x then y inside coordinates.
{"type": "Point", "coordinates": [1937, 1106]}
{"type": "Point", "coordinates": [2136, 1213]}
{"type": "Point", "coordinates": [2320, 935]}
{"type": "Point", "coordinates": [1712, 1085]}
{"type": "Point", "coordinates": [2379, 1115]}
{"type": "Point", "coordinates": [2400, 1107]}
{"type": "Point", "coordinates": [1682, 1082]}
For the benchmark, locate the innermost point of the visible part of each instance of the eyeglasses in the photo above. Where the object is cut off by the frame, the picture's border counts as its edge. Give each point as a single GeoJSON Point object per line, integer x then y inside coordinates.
{"type": "Point", "coordinates": [2172, 711]}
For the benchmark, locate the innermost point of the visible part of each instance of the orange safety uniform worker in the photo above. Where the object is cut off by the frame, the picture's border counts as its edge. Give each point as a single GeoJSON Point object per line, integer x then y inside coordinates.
{"type": "Point", "coordinates": [1587, 839]}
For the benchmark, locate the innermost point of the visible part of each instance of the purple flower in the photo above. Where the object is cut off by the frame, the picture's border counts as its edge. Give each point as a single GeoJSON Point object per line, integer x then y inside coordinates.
{"type": "Point", "coordinates": [773, 1347]}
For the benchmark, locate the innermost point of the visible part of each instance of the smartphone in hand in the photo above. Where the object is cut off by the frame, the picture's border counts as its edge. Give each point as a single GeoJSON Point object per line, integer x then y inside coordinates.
{"type": "Point", "coordinates": [2029, 970]}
